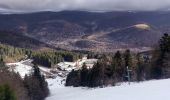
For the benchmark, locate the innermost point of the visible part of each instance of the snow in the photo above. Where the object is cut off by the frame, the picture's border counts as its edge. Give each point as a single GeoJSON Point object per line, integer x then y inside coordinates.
{"type": "Point", "coordinates": [66, 65]}
{"type": "Point", "coordinates": [20, 67]}
{"type": "Point", "coordinates": [150, 90]}
{"type": "Point", "coordinates": [57, 82]}
{"type": "Point", "coordinates": [78, 64]}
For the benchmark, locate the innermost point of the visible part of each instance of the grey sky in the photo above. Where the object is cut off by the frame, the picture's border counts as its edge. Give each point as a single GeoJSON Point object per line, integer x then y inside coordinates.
{"type": "Point", "coordinates": [91, 5]}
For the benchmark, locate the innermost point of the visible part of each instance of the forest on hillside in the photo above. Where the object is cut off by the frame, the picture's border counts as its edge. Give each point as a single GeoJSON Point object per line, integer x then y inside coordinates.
{"type": "Point", "coordinates": [111, 68]}
{"type": "Point", "coordinates": [34, 85]}
{"type": "Point", "coordinates": [46, 58]}
{"type": "Point", "coordinates": [124, 66]}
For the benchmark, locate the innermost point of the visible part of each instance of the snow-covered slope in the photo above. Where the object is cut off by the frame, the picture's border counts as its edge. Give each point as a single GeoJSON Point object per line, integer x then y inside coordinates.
{"type": "Point", "coordinates": [20, 67]}
{"type": "Point", "coordinates": [150, 90]}
{"type": "Point", "coordinates": [25, 67]}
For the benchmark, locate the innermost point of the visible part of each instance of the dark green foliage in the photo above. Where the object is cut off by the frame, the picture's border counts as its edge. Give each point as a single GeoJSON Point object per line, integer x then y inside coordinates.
{"type": "Point", "coordinates": [11, 86]}
{"type": "Point", "coordinates": [6, 93]}
{"type": "Point", "coordinates": [100, 75]}
{"type": "Point", "coordinates": [95, 77]}
{"type": "Point", "coordinates": [33, 87]}
{"type": "Point", "coordinates": [165, 55]}
{"type": "Point", "coordinates": [165, 44]}
{"type": "Point", "coordinates": [73, 78]}
{"type": "Point", "coordinates": [141, 69]}
{"type": "Point", "coordinates": [47, 58]}
{"type": "Point", "coordinates": [50, 58]}
{"type": "Point", "coordinates": [36, 85]}
{"type": "Point", "coordinates": [160, 63]}
{"type": "Point", "coordinates": [128, 63]}
{"type": "Point", "coordinates": [12, 54]}
{"type": "Point", "coordinates": [110, 70]}
{"type": "Point", "coordinates": [36, 72]}
{"type": "Point", "coordinates": [2, 64]}
{"type": "Point", "coordinates": [84, 75]}
{"type": "Point", "coordinates": [118, 66]}
{"type": "Point", "coordinates": [128, 58]}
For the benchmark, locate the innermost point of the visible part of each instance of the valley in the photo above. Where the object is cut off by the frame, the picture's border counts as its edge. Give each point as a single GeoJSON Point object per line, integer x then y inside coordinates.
{"type": "Point", "coordinates": [88, 31]}
{"type": "Point", "coordinates": [78, 55]}
{"type": "Point", "coordinates": [84, 49]}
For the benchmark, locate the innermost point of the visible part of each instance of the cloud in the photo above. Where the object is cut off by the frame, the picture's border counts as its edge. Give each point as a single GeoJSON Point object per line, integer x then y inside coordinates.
{"type": "Point", "coordinates": [91, 5]}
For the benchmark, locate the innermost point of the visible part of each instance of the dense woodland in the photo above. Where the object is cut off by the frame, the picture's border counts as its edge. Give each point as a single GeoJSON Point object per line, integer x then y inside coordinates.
{"type": "Point", "coordinates": [112, 69]}
{"type": "Point", "coordinates": [51, 58]}
{"type": "Point", "coordinates": [13, 87]}
{"type": "Point", "coordinates": [46, 57]}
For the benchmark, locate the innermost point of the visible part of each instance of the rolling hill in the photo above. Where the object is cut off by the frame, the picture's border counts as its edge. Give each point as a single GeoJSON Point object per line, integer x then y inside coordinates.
{"type": "Point", "coordinates": [19, 40]}
{"type": "Point", "coordinates": [80, 30]}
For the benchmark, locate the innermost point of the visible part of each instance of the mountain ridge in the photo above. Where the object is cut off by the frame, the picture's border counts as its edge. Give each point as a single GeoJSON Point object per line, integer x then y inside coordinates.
{"type": "Point", "coordinates": [63, 29]}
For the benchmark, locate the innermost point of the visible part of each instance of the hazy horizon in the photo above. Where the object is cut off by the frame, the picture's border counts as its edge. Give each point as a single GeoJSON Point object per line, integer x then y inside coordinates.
{"type": "Point", "coordinates": [25, 6]}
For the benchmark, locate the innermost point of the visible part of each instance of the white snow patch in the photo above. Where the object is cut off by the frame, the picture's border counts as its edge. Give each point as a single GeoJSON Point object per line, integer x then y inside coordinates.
{"type": "Point", "coordinates": [150, 90]}
{"type": "Point", "coordinates": [20, 67]}
{"type": "Point", "coordinates": [68, 66]}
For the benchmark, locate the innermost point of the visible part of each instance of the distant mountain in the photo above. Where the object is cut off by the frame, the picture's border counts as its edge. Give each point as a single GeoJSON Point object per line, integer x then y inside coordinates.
{"type": "Point", "coordinates": [78, 30]}
{"type": "Point", "coordinates": [18, 40]}
{"type": "Point", "coordinates": [136, 35]}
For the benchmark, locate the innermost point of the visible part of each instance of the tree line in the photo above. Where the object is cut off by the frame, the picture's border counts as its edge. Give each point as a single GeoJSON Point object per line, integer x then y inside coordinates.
{"type": "Point", "coordinates": [46, 58]}
{"type": "Point", "coordinates": [109, 70]}
{"type": "Point", "coordinates": [51, 58]}
{"type": "Point", "coordinates": [116, 68]}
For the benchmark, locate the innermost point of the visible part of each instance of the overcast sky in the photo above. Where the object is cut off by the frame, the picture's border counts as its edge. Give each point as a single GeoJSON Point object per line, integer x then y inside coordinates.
{"type": "Point", "coordinates": [90, 5]}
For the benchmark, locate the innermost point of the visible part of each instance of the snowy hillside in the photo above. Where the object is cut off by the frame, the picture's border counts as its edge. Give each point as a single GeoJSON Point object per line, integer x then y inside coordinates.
{"type": "Point", "coordinates": [151, 90]}
{"type": "Point", "coordinates": [21, 67]}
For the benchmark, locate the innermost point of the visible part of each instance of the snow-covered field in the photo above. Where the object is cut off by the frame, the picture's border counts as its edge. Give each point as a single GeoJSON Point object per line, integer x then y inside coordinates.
{"type": "Point", "coordinates": [149, 90]}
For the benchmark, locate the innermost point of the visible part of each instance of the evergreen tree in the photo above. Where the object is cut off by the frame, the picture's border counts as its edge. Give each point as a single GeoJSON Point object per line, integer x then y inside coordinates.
{"type": "Point", "coordinates": [2, 64]}
{"type": "Point", "coordinates": [84, 75]}
{"type": "Point", "coordinates": [101, 74]}
{"type": "Point", "coordinates": [160, 67]}
{"type": "Point", "coordinates": [140, 70]}
{"type": "Point", "coordinates": [128, 64]}
{"type": "Point", "coordinates": [128, 58]}
{"type": "Point", "coordinates": [6, 93]}
{"type": "Point", "coordinates": [95, 76]}
{"type": "Point", "coordinates": [36, 71]}
{"type": "Point", "coordinates": [36, 85]}
{"type": "Point", "coordinates": [165, 56]}
{"type": "Point", "coordinates": [118, 67]}
{"type": "Point", "coordinates": [165, 44]}
{"type": "Point", "coordinates": [73, 78]}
